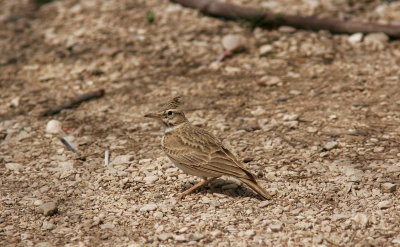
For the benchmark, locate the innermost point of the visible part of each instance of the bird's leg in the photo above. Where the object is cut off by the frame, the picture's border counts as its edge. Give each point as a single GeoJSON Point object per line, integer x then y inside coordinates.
{"type": "Point", "coordinates": [196, 186]}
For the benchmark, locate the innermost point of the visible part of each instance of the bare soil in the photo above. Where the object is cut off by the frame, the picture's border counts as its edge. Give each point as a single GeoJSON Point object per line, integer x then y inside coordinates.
{"type": "Point", "coordinates": [316, 117]}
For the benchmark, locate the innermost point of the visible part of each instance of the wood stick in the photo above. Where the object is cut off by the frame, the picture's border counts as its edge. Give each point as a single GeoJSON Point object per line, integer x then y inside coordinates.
{"type": "Point", "coordinates": [74, 102]}
{"type": "Point", "coordinates": [269, 18]}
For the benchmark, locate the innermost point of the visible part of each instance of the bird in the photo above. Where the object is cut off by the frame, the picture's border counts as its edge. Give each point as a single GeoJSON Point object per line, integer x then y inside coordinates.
{"type": "Point", "coordinates": [197, 152]}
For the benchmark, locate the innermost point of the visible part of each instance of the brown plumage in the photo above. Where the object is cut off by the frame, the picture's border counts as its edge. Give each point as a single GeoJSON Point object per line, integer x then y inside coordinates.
{"type": "Point", "coordinates": [197, 152]}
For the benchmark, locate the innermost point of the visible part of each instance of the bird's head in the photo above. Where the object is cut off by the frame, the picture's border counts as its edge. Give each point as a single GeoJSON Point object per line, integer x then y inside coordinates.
{"type": "Point", "coordinates": [169, 118]}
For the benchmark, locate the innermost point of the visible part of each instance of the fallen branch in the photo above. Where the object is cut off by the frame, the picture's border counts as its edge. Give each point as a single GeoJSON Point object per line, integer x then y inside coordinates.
{"type": "Point", "coordinates": [74, 102]}
{"type": "Point", "coordinates": [268, 18]}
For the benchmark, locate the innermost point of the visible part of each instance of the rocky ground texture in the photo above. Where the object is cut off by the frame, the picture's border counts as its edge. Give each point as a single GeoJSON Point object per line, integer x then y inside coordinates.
{"type": "Point", "coordinates": [314, 115]}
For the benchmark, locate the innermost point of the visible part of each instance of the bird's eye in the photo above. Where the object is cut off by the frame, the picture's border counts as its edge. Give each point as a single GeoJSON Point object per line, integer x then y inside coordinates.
{"type": "Point", "coordinates": [169, 113]}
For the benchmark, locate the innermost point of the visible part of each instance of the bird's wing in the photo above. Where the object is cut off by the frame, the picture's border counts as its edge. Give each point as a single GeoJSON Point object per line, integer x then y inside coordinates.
{"type": "Point", "coordinates": [201, 151]}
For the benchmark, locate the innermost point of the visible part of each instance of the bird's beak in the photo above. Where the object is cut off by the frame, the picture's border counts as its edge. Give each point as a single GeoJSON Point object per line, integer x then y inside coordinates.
{"type": "Point", "coordinates": [152, 115]}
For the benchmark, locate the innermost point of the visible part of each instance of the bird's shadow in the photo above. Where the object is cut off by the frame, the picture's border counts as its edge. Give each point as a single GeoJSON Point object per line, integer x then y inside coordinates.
{"type": "Point", "coordinates": [216, 187]}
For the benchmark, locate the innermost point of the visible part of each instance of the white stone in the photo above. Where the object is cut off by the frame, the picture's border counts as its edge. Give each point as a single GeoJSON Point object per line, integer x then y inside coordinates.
{"type": "Point", "coordinates": [290, 117]}
{"type": "Point", "coordinates": [265, 49]}
{"type": "Point", "coordinates": [47, 225]}
{"type": "Point", "coordinates": [180, 238]}
{"type": "Point", "coordinates": [376, 41]}
{"type": "Point", "coordinates": [286, 29]}
{"type": "Point", "coordinates": [144, 161]}
{"type": "Point", "coordinates": [233, 42]}
{"type": "Point", "coordinates": [38, 202]}
{"type": "Point", "coordinates": [15, 101]}
{"type": "Point", "coordinates": [373, 37]}
{"type": "Point", "coordinates": [388, 188]}
{"type": "Point", "coordinates": [275, 227]}
{"type": "Point", "coordinates": [385, 204]}
{"type": "Point", "coordinates": [361, 219]}
{"type": "Point", "coordinates": [336, 217]}
{"type": "Point", "coordinates": [150, 179]}
{"type": "Point", "coordinates": [195, 236]}
{"type": "Point", "coordinates": [43, 244]}
{"type": "Point", "coordinates": [164, 236]}
{"type": "Point", "coordinates": [122, 159]}
{"type": "Point", "coordinates": [250, 233]}
{"type": "Point", "coordinates": [355, 38]}
{"type": "Point", "coordinates": [54, 127]}
{"type": "Point", "coordinates": [215, 233]}
{"type": "Point", "coordinates": [258, 112]}
{"type": "Point", "coordinates": [294, 92]}
{"type": "Point", "coordinates": [330, 145]}
{"type": "Point", "coordinates": [311, 129]}
{"type": "Point", "coordinates": [396, 240]}
{"type": "Point", "coordinates": [263, 204]}
{"type": "Point", "coordinates": [183, 229]}
{"type": "Point", "coordinates": [158, 215]}
{"type": "Point", "coordinates": [270, 80]}
{"type": "Point", "coordinates": [232, 70]}
{"type": "Point", "coordinates": [14, 166]}
{"type": "Point", "coordinates": [148, 207]}
{"type": "Point", "coordinates": [205, 200]}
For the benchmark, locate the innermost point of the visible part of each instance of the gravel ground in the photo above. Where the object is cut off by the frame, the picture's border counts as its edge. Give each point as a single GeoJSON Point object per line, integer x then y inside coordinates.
{"type": "Point", "coordinates": [314, 115]}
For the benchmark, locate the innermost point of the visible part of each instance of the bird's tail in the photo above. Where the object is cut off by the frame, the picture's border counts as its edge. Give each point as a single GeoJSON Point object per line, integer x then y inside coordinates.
{"type": "Point", "coordinates": [254, 185]}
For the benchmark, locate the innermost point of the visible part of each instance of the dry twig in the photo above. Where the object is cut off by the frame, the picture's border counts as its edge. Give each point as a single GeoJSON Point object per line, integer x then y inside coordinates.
{"type": "Point", "coordinates": [269, 18]}
{"type": "Point", "coordinates": [74, 102]}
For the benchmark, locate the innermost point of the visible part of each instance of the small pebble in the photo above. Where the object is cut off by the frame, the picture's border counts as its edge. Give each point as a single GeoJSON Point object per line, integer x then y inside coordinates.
{"type": "Point", "coordinates": [47, 225]}
{"type": "Point", "coordinates": [234, 42]}
{"type": "Point", "coordinates": [38, 202]}
{"type": "Point", "coordinates": [290, 117]}
{"type": "Point", "coordinates": [355, 38]}
{"type": "Point", "coordinates": [215, 233]}
{"type": "Point", "coordinates": [180, 238]}
{"type": "Point", "coordinates": [122, 159]}
{"type": "Point", "coordinates": [361, 219]}
{"type": "Point", "coordinates": [269, 80]}
{"type": "Point", "coordinates": [379, 149]}
{"type": "Point", "coordinates": [385, 204]}
{"type": "Point", "coordinates": [287, 29]}
{"type": "Point", "coordinates": [158, 215]}
{"type": "Point", "coordinates": [263, 204]}
{"type": "Point", "coordinates": [195, 237]}
{"type": "Point", "coordinates": [66, 165]}
{"type": "Point", "coordinates": [275, 227]}
{"type": "Point", "coordinates": [14, 166]}
{"type": "Point", "coordinates": [15, 101]}
{"type": "Point", "coordinates": [43, 244]}
{"type": "Point", "coordinates": [380, 37]}
{"type": "Point", "coordinates": [150, 179]}
{"type": "Point", "coordinates": [258, 112]}
{"type": "Point", "coordinates": [54, 127]}
{"type": "Point", "coordinates": [265, 49]}
{"type": "Point", "coordinates": [250, 233]}
{"type": "Point", "coordinates": [388, 188]}
{"type": "Point", "coordinates": [148, 207]}
{"type": "Point", "coordinates": [48, 209]}
{"type": "Point", "coordinates": [294, 92]}
{"type": "Point", "coordinates": [164, 236]}
{"type": "Point", "coordinates": [330, 145]}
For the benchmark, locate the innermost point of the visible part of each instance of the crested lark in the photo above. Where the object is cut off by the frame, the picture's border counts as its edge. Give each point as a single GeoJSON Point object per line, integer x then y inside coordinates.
{"type": "Point", "coordinates": [197, 152]}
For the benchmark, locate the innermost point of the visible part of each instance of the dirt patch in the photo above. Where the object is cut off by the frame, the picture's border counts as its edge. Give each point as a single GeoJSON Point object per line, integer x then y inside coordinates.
{"type": "Point", "coordinates": [316, 117]}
